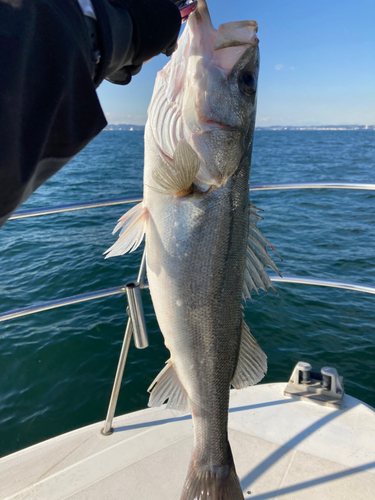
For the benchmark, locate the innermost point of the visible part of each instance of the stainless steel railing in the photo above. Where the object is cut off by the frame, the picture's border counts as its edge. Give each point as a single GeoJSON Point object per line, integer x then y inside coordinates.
{"type": "Point", "coordinates": [135, 324]}
{"type": "Point", "coordinates": [140, 337]}
{"type": "Point", "coordinates": [54, 304]}
{"type": "Point", "coordinates": [23, 214]}
{"type": "Point", "coordinates": [302, 280]}
{"type": "Point", "coordinates": [108, 292]}
{"type": "Point", "coordinates": [313, 185]}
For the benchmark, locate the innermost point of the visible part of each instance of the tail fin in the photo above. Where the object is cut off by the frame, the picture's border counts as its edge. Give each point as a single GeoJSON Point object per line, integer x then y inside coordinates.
{"type": "Point", "coordinates": [211, 483]}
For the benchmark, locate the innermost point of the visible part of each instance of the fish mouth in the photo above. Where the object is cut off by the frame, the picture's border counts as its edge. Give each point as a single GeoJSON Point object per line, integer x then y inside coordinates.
{"type": "Point", "coordinates": [236, 33]}
{"type": "Point", "coordinates": [217, 125]}
{"type": "Point", "coordinates": [213, 124]}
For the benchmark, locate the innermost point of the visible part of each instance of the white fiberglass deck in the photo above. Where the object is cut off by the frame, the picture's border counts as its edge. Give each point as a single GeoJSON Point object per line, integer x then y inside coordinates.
{"type": "Point", "coordinates": [283, 449]}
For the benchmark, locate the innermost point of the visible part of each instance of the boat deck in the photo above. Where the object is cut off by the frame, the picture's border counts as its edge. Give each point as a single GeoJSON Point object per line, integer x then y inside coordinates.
{"type": "Point", "coordinates": [283, 449]}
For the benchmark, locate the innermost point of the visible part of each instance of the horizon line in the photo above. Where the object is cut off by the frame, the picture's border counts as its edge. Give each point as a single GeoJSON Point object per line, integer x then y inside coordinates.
{"type": "Point", "coordinates": [262, 126]}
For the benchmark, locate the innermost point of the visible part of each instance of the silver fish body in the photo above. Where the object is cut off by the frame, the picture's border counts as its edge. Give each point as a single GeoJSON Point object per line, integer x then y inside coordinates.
{"type": "Point", "coordinates": [203, 330]}
{"type": "Point", "coordinates": [201, 256]}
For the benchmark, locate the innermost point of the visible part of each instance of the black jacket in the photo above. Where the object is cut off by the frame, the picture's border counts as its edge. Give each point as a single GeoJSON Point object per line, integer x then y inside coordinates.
{"type": "Point", "coordinates": [49, 109]}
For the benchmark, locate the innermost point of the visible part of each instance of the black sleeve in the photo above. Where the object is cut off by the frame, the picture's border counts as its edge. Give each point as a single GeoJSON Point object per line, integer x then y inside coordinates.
{"type": "Point", "coordinates": [49, 109]}
{"type": "Point", "coordinates": [155, 25]}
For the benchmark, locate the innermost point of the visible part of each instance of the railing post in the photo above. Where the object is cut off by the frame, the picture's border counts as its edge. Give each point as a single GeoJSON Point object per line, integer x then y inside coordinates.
{"type": "Point", "coordinates": [135, 322]}
{"type": "Point", "coordinates": [107, 429]}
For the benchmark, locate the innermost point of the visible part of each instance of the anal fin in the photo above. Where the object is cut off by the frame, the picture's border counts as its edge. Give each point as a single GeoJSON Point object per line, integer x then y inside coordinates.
{"type": "Point", "coordinates": [167, 386]}
{"type": "Point", "coordinates": [252, 361]}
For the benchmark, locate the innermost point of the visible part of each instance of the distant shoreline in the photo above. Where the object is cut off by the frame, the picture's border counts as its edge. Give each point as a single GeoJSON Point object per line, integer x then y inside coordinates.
{"type": "Point", "coordinates": [131, 128]}
{"type": "Point", "coordinates": [321, 127]}
{"type": "Point", "coordinates": [125, 126]}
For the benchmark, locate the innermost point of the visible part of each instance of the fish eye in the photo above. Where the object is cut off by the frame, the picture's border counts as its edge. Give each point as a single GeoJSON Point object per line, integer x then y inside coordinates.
{"type": "Point", "coordinates": [247, 82]}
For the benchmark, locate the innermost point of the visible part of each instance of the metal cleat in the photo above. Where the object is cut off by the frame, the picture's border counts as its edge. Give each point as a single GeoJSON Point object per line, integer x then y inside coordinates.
{"type": "Point", "coordinates": [325, 388]}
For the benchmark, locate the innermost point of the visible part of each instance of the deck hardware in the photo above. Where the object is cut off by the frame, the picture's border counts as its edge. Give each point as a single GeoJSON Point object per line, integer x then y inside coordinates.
{"type": "Point", "coordinates": [325, 387]}
{"type": "Point", "coordinates": [304, 374]}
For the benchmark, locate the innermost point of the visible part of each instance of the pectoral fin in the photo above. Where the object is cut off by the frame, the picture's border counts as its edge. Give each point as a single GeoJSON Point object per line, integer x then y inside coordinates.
{"type": "Point", "coordinates": [252, 362]}
{"type": "Point", "coordinates": [167, 386]}
{"type": "Point", "coordinates": [178, 179]}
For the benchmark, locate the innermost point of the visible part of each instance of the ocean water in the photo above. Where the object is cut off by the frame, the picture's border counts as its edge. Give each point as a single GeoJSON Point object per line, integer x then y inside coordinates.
{"type": "Point", "coordinates": [57, 367]}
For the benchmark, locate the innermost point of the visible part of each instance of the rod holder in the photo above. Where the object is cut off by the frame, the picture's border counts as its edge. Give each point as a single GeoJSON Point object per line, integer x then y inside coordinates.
{"type": "Point", "coordinates": [136, 314]}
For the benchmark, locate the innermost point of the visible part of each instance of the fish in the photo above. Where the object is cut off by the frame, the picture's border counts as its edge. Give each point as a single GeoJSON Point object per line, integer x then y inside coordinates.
{"type": "Point", "coordinates": [204, 251]}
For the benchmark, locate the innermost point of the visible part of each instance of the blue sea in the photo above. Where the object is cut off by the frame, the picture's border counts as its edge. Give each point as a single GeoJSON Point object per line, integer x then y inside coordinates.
{"type": "Point", "coordinates": [57, 367]}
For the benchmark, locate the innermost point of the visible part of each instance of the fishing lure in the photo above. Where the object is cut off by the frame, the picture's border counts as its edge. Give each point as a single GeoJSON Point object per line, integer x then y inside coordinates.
{"type": "Point", "coordinates": [186, 8]}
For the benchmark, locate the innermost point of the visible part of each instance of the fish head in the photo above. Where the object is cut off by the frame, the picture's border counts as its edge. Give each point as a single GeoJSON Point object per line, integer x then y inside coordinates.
{"type": "Point", "coordinates": [220, 88]}
{"type": "Point", "coordinates": [206, 96]}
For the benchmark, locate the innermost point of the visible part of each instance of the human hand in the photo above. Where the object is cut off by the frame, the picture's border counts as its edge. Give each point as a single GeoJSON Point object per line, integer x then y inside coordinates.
{"type": "Point", "coordinates": [156, 25]}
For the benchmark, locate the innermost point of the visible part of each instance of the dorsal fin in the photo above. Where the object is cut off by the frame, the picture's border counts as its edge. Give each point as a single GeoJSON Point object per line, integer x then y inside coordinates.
{"type": "Point", "coordinates": [257, 258]}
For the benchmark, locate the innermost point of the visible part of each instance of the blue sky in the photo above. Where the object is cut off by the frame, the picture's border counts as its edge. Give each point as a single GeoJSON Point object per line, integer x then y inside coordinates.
{"type": "Point", "coordinates": [317, 63]}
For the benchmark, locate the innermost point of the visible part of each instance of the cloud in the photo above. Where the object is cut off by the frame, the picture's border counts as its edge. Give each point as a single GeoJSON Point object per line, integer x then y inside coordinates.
{"type": "Point", "coordinates": [282, 67]}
